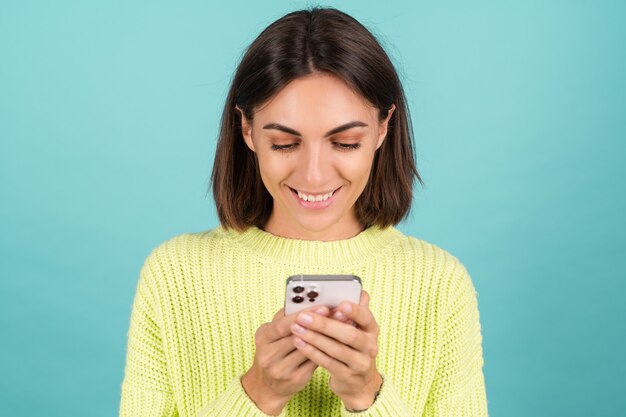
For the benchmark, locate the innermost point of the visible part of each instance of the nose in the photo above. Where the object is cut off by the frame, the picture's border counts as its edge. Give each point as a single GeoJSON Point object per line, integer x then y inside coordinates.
{"type": "Point", "coordinates": [313, 165]}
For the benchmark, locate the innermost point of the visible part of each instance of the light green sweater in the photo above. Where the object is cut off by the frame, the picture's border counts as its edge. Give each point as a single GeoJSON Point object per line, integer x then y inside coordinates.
{"type": "Point", "coordinates": [201, 297]}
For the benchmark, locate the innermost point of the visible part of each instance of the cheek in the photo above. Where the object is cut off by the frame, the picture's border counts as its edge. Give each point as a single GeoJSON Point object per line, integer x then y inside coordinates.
{"type": "Point", "coordinates": [357, 170]}
{"type": "Point", "coordinates": [273, 169]}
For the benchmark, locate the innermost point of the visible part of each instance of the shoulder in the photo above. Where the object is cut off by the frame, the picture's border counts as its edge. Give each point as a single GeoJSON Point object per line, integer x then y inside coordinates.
{"type": "Point", "coordinates": [428, 253]}
{"type": "Point", "coordinates": [187, 244]}
{"type": "Point", "coordinates": [182, 253]}
{"type": "Point", "coordinates": [437, 265]}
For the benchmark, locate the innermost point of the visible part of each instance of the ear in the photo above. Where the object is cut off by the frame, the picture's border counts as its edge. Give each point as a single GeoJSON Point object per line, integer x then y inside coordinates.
{"type": "Point", "coordinates": [246, 129]}
{"type": "Point", "coordinates": [382, 128]}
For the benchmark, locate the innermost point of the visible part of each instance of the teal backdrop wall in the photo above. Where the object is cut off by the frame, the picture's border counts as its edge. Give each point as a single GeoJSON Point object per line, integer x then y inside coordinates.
{"type": "Point", "coordinates": [108, 120]}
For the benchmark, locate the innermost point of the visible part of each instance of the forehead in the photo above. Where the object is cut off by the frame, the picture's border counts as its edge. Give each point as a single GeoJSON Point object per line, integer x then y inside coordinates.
{"type": "Point", "coordinates": [315, 103]}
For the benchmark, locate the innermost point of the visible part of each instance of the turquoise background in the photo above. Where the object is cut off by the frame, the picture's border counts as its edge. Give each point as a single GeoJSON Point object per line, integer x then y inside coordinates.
{"type": "Point", "coordinates": [108, 120]}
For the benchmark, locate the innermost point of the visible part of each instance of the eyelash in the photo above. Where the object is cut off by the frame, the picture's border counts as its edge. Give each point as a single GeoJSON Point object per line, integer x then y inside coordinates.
{"type": "Point", "coordinates": [340, 146]}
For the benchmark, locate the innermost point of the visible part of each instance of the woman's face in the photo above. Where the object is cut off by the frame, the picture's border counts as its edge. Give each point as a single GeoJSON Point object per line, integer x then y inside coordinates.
{"type": "Point", "coordinates": [315, 142]}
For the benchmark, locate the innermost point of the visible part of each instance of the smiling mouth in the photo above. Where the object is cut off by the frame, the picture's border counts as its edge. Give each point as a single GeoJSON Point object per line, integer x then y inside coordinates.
{"type": "Point", "coordinates": [313, 198]}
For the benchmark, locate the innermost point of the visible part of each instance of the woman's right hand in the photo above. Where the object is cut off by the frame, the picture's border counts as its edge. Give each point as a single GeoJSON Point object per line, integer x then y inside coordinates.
{"type": "Point", "coordinates": [279, 370]}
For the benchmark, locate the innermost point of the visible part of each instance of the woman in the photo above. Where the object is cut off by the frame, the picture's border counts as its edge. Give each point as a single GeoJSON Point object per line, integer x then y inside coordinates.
{"type": "Point", "coordinates": [313, 169]}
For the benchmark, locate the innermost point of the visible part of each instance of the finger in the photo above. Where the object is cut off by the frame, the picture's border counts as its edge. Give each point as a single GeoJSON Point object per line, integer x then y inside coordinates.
{"type": "Point", "coordinates": [281, 352]}
{"type": "Point", "coordinates": [358, 361]}
{"type": "Point", "coordinates": [342, 332]}
{"type": "Point", "coordinates": [267, 332]}
{"type": "Point", "coordinates": [365, 298]}
{"type": "Point", "coordinates": [280, 348]}
{"type": "Point", "coordinates": [319, 309]}
{"type": "Point", "coordinates": [284, 367]}
{"type": "Point", "coordinates": [321, 359]}
{"type": "Point", "coordinates": [305, 370]}
{"type": "Point", "coordinates": [279, 328]}
{"type": "Point", "coordinates": [295, 359]}
{"type": "Point", "coordinates": [336, 315]}
{"type": "Point", "coordinates": [360, 313]}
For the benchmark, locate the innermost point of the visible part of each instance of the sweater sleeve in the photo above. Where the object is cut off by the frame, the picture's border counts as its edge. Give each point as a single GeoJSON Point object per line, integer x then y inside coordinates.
{"type": "Point", "coordinates": [234, 402]}
{"type": "Point", "coordinates": [146, 390]}
{"type": "Point", "coordinates": [459, 386]}
{"type": "Point", "coordinates": [387, 404]}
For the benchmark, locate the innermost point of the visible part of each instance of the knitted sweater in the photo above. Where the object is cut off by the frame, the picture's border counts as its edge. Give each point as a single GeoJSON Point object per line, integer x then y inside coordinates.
{"type": "Point", "coordinates": [201, 296]}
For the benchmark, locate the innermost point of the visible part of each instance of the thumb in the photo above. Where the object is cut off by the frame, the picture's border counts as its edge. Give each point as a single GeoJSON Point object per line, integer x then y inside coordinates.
{"type": "Point", "coordinates": [279, 314]}
{"type": "Point", "coordinates": [365, 299]}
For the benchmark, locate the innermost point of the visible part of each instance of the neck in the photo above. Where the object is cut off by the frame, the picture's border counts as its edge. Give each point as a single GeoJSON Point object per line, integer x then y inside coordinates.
{"type": "Point", "coordinates": [310, 255]}
{"type": "Point", "coordinates": [333, 233]}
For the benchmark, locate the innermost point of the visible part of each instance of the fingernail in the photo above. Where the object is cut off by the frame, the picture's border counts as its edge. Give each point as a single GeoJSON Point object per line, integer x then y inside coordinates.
{"type": "Point", "coordinates": [305, 318]}
{"type": "Point", "coordinates": [347, 308]}
{"type": "Point", "coordinates": [339, 316]}
{"type": "Point", "coordinates": [321, 310]}
{"type": "Point", "coordinates": [299, 343]}
{"type": "Point", "coordinates": [298, 329]}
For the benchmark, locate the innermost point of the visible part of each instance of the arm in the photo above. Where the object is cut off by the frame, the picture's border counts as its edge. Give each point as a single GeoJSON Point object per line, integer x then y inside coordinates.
{"type": "Point", "coordinates": [234, 402]}
{"type": "Point", "coordinates": [146, 388]}
{"type": "Point", "coordinates": [459, 385]}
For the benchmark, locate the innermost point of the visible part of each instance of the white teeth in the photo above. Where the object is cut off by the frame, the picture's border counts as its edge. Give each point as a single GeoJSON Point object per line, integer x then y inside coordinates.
{"type": "Point", "coordinates": [319, 197]}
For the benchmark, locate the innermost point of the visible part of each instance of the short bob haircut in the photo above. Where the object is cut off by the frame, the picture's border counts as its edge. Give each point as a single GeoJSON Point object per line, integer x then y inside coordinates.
{"type": "Point", "coordinates": [299, 44]}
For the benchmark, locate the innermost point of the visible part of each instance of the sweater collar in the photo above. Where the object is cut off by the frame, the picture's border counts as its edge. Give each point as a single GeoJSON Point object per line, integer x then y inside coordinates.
{"type": "Point", "coordinates": [283, 250]}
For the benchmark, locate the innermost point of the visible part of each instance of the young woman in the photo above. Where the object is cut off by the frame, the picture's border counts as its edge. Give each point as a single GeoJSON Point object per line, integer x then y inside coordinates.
{"type": "Point", "coordinates": [313, 169]}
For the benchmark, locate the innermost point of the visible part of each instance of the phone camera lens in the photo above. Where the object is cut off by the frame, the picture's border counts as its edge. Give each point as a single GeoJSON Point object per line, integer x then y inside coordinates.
{"type": "Point", "coordinates": [312, 294]}
{"type": "Point", "coordinates": [311, 299]}
{"type": "Point", "coordinates": [298, 289]}
{"type": "Point", "coordinates": [297, 299]}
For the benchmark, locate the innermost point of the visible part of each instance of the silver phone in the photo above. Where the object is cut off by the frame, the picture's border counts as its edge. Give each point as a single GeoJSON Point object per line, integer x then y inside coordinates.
{"type": "Point", "coordinates": [304, 291]}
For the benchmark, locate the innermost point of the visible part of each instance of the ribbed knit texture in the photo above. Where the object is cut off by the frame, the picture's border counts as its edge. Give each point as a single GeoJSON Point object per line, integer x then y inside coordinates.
{"type": "Point", "coordinates": [201, 297]}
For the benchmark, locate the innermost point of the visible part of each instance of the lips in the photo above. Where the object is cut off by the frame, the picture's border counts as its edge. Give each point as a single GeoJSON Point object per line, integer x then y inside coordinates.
{"type": "Point", "coordinates": [321, 204]}
{"type": "Point", "coordinates": [306, 196]}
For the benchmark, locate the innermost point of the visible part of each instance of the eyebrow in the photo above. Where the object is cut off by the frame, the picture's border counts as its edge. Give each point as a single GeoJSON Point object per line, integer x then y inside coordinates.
{"type": "Point", "coordinates": [338, 129]}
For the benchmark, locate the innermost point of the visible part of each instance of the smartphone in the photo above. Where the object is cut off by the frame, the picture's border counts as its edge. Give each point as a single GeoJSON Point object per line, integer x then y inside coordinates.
{"type": "Point", "coordinates": [304, 291]}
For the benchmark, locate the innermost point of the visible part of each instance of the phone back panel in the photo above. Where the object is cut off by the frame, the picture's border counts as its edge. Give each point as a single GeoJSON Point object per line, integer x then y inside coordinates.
{"type": "Point", "coordinates": [304, 291]}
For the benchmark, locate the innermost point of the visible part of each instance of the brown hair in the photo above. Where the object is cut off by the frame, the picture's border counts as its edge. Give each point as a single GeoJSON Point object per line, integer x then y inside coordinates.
{"type": "Point", "coordinates": [299, 44]}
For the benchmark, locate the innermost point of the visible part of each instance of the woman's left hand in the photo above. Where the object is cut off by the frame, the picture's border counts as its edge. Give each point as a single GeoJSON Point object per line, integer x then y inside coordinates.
{"type": "Point", "coordinates": [347, 352]}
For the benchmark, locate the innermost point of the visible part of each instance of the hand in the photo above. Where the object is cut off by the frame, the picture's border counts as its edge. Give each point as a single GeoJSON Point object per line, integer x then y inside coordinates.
{"type": "Point", "coordinates": [347, 352]}
{"type": "Point", "coordinates": [279, 370]}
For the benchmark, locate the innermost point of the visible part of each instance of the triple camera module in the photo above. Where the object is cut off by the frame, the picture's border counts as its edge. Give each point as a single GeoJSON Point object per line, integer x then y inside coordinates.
{"type": "Point", "coordinates": [312, 294]}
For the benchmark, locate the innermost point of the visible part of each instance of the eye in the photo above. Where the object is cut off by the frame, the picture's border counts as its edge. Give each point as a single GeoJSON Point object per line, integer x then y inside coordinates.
{"type": "Point", "coordinates": [347, 146]}
{"type": "Point", "coordinates": [284, 148]}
